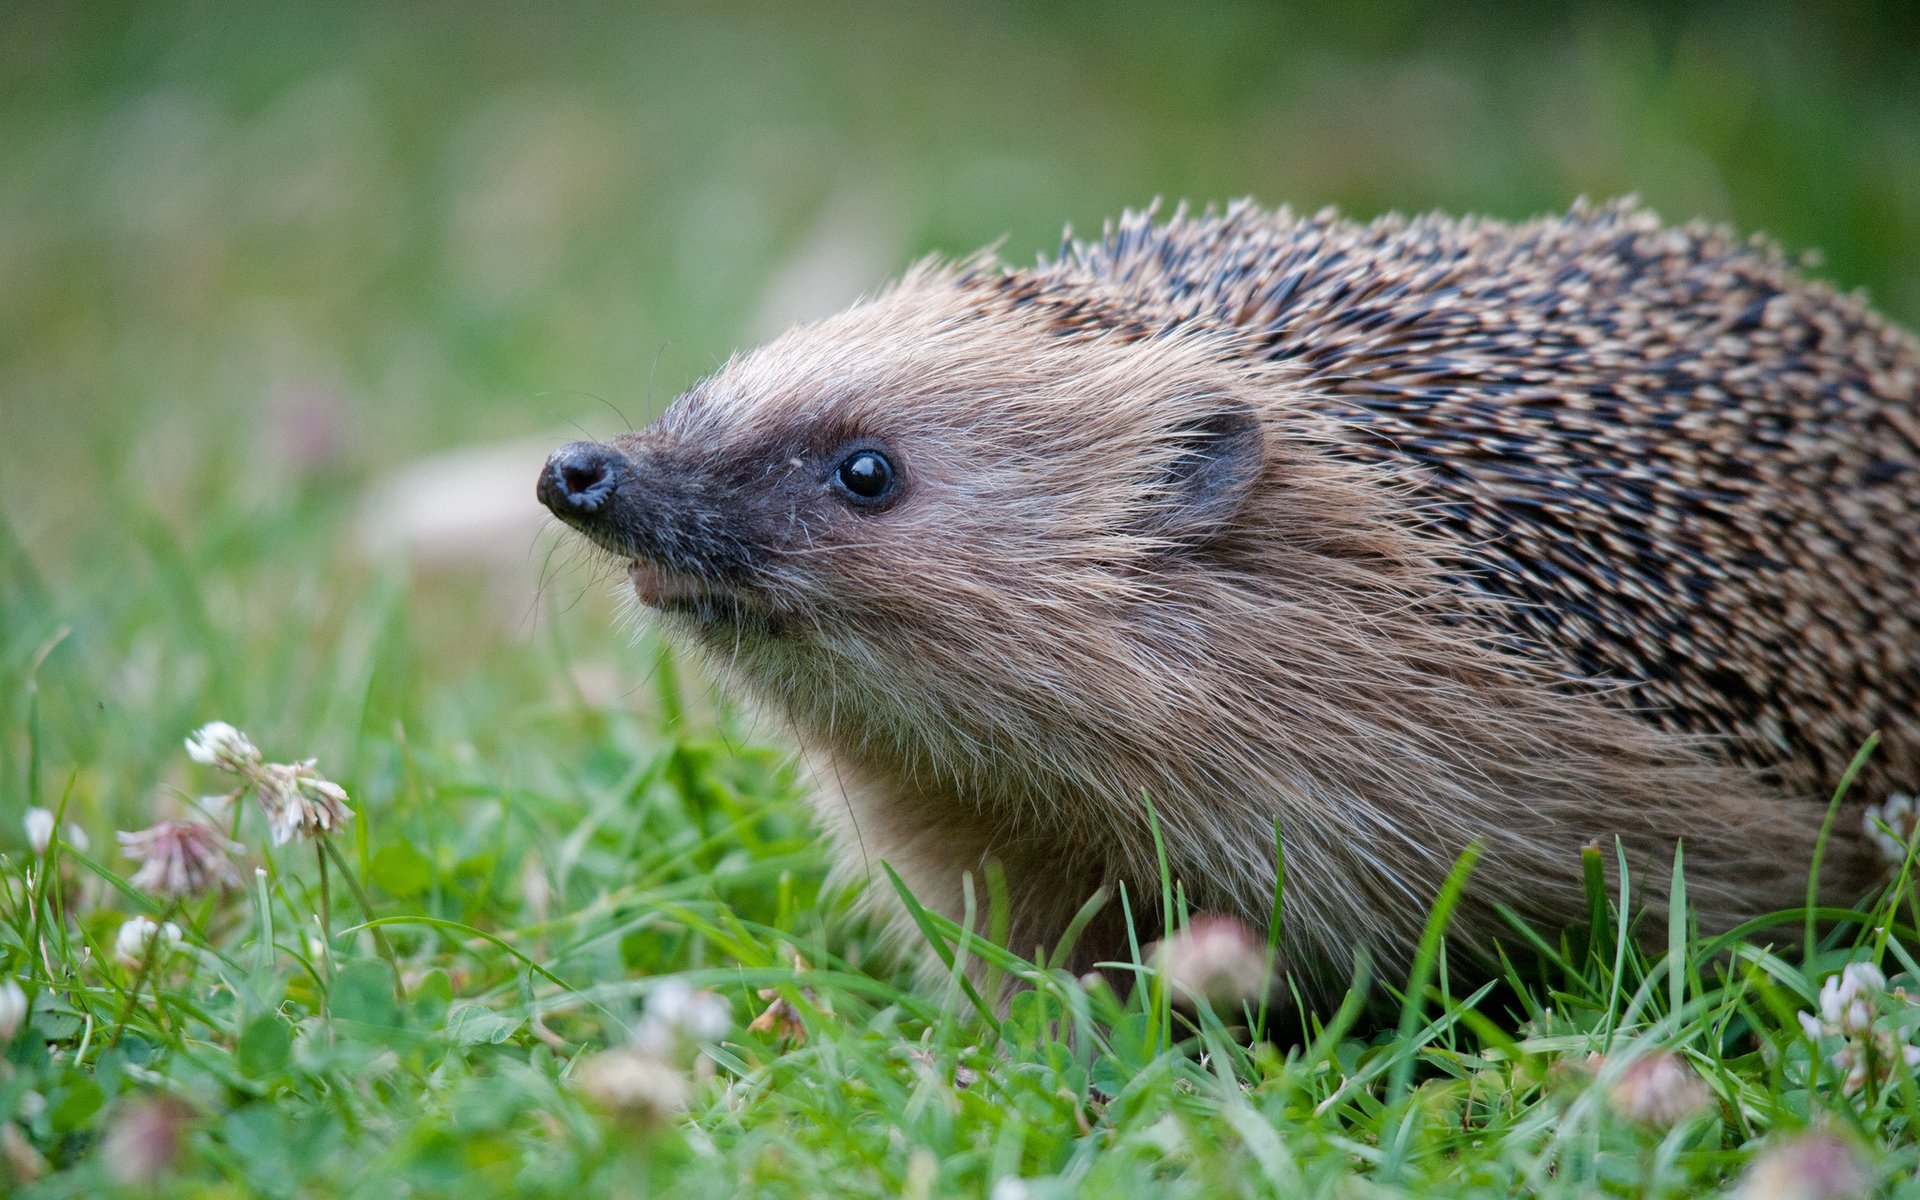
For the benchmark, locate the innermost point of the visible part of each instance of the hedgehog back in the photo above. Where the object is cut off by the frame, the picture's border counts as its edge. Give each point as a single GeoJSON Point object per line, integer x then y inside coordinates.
{"type": "Point", "coordinates": [1676, 467]}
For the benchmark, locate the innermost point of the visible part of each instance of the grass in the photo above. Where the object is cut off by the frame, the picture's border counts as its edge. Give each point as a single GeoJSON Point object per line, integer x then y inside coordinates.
{"type": "Point", "coordinates": [251, 266]}
{"type": "Point", "coordinates": [422, 1044]}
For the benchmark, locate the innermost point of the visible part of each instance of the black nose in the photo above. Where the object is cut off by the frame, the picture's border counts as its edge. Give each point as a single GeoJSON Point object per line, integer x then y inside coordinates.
{"type": "Point", "coordinates": [580, 478]}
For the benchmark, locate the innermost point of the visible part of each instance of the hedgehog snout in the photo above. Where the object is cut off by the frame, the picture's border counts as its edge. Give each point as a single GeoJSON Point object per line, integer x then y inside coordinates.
{"type": "Point", "coordinates": [650, 504]}
{"type": "Point", "coordinates": [579, 479]}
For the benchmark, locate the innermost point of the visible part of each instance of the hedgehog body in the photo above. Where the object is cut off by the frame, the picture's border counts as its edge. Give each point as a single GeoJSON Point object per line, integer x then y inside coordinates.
{"type": "Point", "coordinates": [1393, 538]}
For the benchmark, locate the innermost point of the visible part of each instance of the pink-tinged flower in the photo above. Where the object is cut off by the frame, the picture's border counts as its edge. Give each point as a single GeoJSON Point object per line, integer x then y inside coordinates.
{"type": "Point", "coordinates": [218, 744]}
{"type": "Point", "coordinates": [144, 1138]}
{"type": "Point", "coordinates": [19, 1161]}
{"type": "Point", "coordinates": [300, 802]}
{"type": "Point", "coordinates": [1217, 959]}
{"type": "Point", "coordinates": [1809, 1166]}
{"type": "Point", "coordinates": [180, 858]}
{"type": "Point", "coordinates": [632, 1084]}
{"type": "Point", "coordinates": [1873, 1056]}
{"type": "Point", "coordinates": [1658, 1090]}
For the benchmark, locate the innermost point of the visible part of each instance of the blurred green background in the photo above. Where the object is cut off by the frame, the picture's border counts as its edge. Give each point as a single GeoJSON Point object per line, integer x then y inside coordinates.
{"type": "Point", "coordinates": [256, 260]}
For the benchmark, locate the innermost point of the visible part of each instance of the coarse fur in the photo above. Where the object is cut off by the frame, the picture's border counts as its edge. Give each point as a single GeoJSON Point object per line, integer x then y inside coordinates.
{"type": "Point", "coordinates": [1401, 536]}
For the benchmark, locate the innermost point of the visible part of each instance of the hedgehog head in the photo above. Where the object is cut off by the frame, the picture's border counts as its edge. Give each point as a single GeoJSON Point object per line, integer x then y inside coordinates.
{"type": "Point", "coordinates": [949, 485]}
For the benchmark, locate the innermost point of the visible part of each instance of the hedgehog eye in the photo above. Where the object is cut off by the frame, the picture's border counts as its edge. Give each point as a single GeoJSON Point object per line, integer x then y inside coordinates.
{"type": "Point", "coordinates": [865, 475]}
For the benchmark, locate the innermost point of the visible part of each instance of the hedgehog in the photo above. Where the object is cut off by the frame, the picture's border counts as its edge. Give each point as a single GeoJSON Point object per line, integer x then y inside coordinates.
{"type": "Point", "coordinates": [1243, 546]}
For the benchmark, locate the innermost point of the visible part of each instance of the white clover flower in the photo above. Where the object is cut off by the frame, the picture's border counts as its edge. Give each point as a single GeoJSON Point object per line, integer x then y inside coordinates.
{"type": "Point", "coordinates": [218, 744]}
{"type": "Point", "coordinates": [679, 1015]}
{"type": "Point", "coordinates": [39, 823]}
{"type": "Point", "coordinates": [1218, 959]}
{"type": "Point", "coordinates": [300, 802]}
{"type": "Point", "coordinates": [1891, 824]}
{"type": "Point", "coordinates": [1848, 1000]}
{"type": "Point", "coordinates": [633, 1084]}
{"type": "Point", "coordinates": [180, 858]}
{"type": "Point", "coordinates": [137, 934]}
{"type": "Point", "coordinates": [297, 800]}
{"type": "Point", "coordinates": [76, 837]}
{"type": "Point", "coordinates": [1849, 1004]}
{"type": "Point", "coordinates": [13, 1010]}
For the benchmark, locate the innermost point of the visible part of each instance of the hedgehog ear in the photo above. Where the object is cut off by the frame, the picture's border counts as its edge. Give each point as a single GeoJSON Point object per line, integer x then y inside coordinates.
{"type": "Point", "coordinates": [1216, 460]}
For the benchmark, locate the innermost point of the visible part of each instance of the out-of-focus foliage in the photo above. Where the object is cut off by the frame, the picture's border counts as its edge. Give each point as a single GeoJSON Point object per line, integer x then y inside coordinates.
{"type": "Point", "coordinates": [461, 221]}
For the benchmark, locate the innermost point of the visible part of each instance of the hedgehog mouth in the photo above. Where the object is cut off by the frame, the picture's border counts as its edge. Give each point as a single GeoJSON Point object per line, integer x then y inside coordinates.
{"type": "Point", "coordinates": [664, 588]}
{"type": "Point", "coordinates": [709, 604]}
